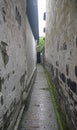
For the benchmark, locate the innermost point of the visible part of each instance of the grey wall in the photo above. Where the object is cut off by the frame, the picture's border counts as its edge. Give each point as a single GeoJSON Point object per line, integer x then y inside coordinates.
{"type": "Point", "coordinates": [15, 40]}
{"type": "Point", "coordinates": [32, 13]}
{"type": "Point", "coordinates": [30, 51]}
{"type": "Point", "coordinates": [61, 53]}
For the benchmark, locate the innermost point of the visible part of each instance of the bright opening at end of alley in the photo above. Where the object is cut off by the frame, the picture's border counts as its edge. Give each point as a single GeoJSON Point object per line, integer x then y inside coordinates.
{"type": "Point", "coordinates": [41, 10]}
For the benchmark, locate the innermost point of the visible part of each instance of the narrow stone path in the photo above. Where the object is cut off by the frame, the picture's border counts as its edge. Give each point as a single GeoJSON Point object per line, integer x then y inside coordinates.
{"type": "Point", "coordinates": [40, 114]}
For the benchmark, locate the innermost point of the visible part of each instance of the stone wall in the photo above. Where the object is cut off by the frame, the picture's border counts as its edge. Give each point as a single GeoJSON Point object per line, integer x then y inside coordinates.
{"type": "Point", "coordinates": [15, 59]}
{"type": "Point", "coordinates": [61, 53]}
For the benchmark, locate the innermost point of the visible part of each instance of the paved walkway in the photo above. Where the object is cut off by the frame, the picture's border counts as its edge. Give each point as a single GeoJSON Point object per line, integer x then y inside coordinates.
{"type": "Point", "coordinates": [40, 114]}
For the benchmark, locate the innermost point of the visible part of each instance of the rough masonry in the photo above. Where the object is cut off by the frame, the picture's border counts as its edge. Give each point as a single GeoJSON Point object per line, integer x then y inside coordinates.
{"type": "Point", "coordinates": [17, 55]}
{"type": "Point", "coordinates": [61, 54]}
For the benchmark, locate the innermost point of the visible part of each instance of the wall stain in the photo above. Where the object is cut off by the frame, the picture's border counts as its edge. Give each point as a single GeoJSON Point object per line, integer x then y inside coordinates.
{"type": "Point", "coordinates": [1, 82]}
{"type": "Point", "coordinates": [63, 78]}
{"type": "Point", "coordinates": [76, 41]}
{"type": "Point", "coordinates": [70, 53]}
{"type": "Point", "coordinates": [13, 72]}
{"type": "Point", "coordinates": [12, 105]}
{"type": "Point", "coordinates": [57, 47]}
{"type": "Point", "coordinates": [70, 94]}
{"type": "Point", "coordinates": [57, 63]}
{"type": "Point", "coordinates": [13, 88]}
{"type": "Point", "coordinates": [22, 79]}
{"type": "Point", "coordinates": [8, 76]}
{"type": "Point", "coordinates": [75, 103]}
{"type": "Point", "coordinates": [67, 69]}
{"type": "Point", "coordinates": [68, 82]}
{"type": "Point", "coordinates": [6, 120]}
{"type": "Point", "coordinates": [5, 87]}
{"type": "Point", "coordinates": [7, 116]}
{"type": "Point", "coordinates": [18, 16]}
{"type": "Point", "coordinates": [1, 100]}
{"type": "Point", "coordinates": [64, 46]}
{"type": "Point", "coordinates": [5, 2]}
{"type": "Point", "coordinates": [76, 71]}
{"type": "Point", "coordinates": [4, 14]}
{"type": "Point", "coordinates": [72, 85]}
{"type": "Point", "coordinates": [52, 69]}
{"type": "Point", "coordinates": [56, 72]}
{"type": "Point", "coordinates": [75, 112]}
{"type": "Point", "coordinates": [0, 21]}
{"type": "Point", "coordinates": [4, 53]}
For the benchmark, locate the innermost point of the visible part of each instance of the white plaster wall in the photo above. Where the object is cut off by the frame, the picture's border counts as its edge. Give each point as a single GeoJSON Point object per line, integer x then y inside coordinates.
{"type": "Point", "coordinates": [17, 59]}
{"type": "Point", "coordinates": [61, 48]}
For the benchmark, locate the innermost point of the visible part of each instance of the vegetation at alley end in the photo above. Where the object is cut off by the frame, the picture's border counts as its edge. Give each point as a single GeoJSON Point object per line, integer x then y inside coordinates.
{"type": "Point", "coordinates": [41, 44]}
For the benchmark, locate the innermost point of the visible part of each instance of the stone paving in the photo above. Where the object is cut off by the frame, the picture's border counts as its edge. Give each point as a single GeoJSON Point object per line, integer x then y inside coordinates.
{"type": "Point", "coordinates": [40, 114]}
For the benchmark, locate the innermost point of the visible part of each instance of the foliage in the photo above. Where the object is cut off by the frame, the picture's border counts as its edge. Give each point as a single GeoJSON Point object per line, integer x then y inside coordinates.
{"type": "Point", "coordinates": [41, 43]}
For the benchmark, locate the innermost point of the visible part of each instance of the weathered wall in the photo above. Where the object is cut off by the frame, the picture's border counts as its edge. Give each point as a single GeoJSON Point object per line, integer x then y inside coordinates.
{"type": "Point", "coordinates": [14, 63]}
{"type": "Point", "coordinates": [61, 53]}
{"type": "Point", "coordinates": [31, 55]}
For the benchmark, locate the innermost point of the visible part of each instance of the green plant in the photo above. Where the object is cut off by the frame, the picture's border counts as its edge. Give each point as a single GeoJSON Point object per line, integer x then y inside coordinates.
{"type": "Point", "coordinates": [41, 43]}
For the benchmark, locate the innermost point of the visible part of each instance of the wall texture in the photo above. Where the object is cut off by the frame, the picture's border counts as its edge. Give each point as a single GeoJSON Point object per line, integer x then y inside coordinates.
{"type": "Point", "coordinates": [15, 40]}
{"type": "Point", "coordinates": [30, 52]}
{"type": "Point", "coordinates": [61, 53]}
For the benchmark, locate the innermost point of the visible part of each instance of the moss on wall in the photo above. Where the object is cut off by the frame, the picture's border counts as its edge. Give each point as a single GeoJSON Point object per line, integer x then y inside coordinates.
{"type": "Point", "coordinates": [59, 114]}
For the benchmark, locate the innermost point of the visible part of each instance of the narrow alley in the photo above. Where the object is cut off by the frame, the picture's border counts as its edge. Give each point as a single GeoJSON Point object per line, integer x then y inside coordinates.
{"type": "Point", "coordinates": [32, 34]}
{"type": "Point", "coordinates": [40, 115]}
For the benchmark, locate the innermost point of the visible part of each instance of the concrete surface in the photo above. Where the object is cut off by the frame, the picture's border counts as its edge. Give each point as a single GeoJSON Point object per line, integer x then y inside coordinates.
{"type": "Point", "coordinates": [40, 114]}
